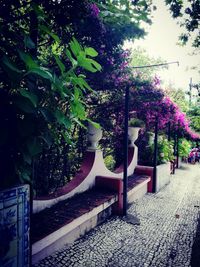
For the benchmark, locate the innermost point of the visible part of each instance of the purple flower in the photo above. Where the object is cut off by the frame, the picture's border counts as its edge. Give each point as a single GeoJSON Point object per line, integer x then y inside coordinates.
{"type": "Point", "coordinates": [94, 10]}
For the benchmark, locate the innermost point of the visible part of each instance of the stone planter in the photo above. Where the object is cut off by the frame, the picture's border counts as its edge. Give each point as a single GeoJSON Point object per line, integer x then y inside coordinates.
{"type": "Point", "coordinates": [133, 135]}
{"type": "Point", "coordinates": [15, 227]}
{"type": "Point", "coordinates": [94, 135]}
{"type": "Point", "coordinates": [163, 176]}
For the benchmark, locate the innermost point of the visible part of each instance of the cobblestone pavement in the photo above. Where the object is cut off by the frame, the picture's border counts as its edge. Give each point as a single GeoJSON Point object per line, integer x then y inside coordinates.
{"type": "Point", "coordinates": [164, 237]}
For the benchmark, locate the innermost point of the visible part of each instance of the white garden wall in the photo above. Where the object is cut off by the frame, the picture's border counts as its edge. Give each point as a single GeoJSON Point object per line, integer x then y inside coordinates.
{"type": "Point", "coordinates": [163, 176]}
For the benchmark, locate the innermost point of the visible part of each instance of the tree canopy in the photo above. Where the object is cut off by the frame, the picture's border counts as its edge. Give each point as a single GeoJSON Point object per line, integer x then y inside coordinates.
{"type": "Point", "coordinates": [188, 13]}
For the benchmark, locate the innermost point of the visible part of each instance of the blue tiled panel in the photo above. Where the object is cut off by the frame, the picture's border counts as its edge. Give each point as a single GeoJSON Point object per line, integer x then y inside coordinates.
{"type": "Point", "coordinates": [14, 227]}
{"type": "Point", "coordinates": [10, 215]}
{"type": "Point", "coordinates": [10, 197]}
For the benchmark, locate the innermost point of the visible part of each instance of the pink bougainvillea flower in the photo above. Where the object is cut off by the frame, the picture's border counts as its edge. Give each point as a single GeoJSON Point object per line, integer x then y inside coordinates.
{"type": "Point", "coordinates": [94, 10]}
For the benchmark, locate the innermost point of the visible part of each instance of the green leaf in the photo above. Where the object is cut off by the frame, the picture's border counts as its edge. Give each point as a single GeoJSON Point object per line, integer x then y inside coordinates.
{"type": "Point", "coordinates": [55, 48]}
{"type": "Point", "coordinates": [94, 63]}
{"type": "Point", "coordinates": [28, 60]}
{"type": "Point", "coordinates": [85, 64]}
{"type": "Point", "coordinates": [47, 139]}
{"type": "Point", "coordinates": [82, 76]}
{"type": "Point", "coordinates": [43, 72]}
{"type": "Point", "coordinates": [7, 62]}
{"type": "Point", "coordinates": [83, 84]}
{"type": "Point", "coordinates": [34, 146]}
{"type": "Point", "coordinates": [89, 64]}
{"type": "Point", "coordinates": [69, 55]}
{"type": "Point", "coordinates": [95, 124]}
{"type": "Point", "coordinates": [32, 97]}
{"type": "Point", "coordinates": [62, 119]}
{"type": "Point", "coordinates": [60, 64]}
{"type": "Point", "coordinates": [78, 110]}
{"type": "Point", "coordinates": [47, 114]}
{"type": "Point", "coordinates": [75, 47]}
{"type": "Point", "coordinates": [48, 31]}
{"type": "Point", "coordinates": [91, 52]}
{"type": "Point", "coordinates": [28, 42]}
{"type": "Point", "coordinates": [67, 137]}
{"type": "Point", "coordinates": [76, 93]}
{"type": "Point", "coordinates": [79, 123]}
{"type": "Point", "coordinates": [38, 10]}
{"type": "Point", "coordinates": [24, 104]}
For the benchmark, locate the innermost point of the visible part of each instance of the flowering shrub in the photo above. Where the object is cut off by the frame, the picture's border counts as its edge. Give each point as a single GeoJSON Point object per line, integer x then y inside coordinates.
{"type": "Point", "coordinates": [184, 147]}
{"type": "Point", "coordinates": [94, 9]}
{"type": "Point", "coordinates": [165, 150]}
{"type": "Point", "coordinates": [151, 105]}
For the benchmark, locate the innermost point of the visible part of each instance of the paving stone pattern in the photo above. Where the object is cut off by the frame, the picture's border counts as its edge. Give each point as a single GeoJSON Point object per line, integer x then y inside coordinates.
{"type": "Point", "coordinates": [165, 236]}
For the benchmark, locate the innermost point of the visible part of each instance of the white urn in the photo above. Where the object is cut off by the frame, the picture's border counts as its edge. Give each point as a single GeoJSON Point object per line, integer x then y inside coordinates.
{"type": "Point", "coordinates": [133, 135]}
{"type": "Point", "coordinates": [94, 136]}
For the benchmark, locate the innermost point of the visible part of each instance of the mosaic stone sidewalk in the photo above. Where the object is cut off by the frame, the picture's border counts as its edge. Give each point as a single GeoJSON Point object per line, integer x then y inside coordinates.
{"type": "Point", "coordinates": [165, 236]}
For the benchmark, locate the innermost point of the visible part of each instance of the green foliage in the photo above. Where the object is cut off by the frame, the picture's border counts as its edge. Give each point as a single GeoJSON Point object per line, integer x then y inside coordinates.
{"type": "Point", "coordinates": [184, 147]}
{"type": "Point", "coordinates": [123, 11]}
{"type": "Point", "coordinates": [136, 123]}
{"type": "Point", "coordinates": [146, 155]}
{"type": "Point", "coordinates": [40, 103]}
{"type": "Point", "coordinates": [188, 14]}
{"type": "Point", "coordinates": [194, 116]}
{"type": "Point", "coordinates": [146, 151]}
{"type": "Point", "coordinates": [110, 162]}
{"type": "Point", "coordinates": [139, 57]}
{"type": "Point", "coordinates": [178, 96]}
{"type": "Point", "coordinates": [165, 150]}
{"type": "Point", "coordinates": [57, 165]}
{"type": "Point", "coordinates": [43, 86]}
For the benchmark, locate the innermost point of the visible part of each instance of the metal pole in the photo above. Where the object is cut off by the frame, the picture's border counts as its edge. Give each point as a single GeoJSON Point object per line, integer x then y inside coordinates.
{"type": "Point", "coordinates": [174, 143]}
{"type": "Point", "coordinates": [190, 92]}
{"type": "Point", "coordinates": [177, 150]}
{"type": "Point", "coordinates": [125, 178]}
{"type": "Point", "coordinates": [155, 65]}
{"type": "Point", "coordinates": [174, 152]}
{"type": "Point", "coordinates": [155, 156]}
{"type": "Point", "coordinates": [169, 131]}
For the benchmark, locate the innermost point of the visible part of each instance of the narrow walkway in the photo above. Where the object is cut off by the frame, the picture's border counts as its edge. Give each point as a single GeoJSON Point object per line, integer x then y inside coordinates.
{"type": "Point", "coordinates": [164, 237]}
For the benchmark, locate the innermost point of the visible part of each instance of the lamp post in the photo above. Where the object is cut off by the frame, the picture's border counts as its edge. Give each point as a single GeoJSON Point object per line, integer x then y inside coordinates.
{"type": "Point", "coordinates": [177, 150]}
{"type": "Point", "coordinates": [192, 85]}
{"type": "Point", "coordinates": [169, 131]}
{"type": "Point", "coordinates": [125, 176]}
{"type": "Point", "coordinates": [155, 156]}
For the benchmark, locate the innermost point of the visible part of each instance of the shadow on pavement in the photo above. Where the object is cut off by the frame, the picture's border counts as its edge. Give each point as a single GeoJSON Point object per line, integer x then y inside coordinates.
{"type": "Point", "coordinates": [185, 167]}
{"type": "Point", "coordinates": [195, 257]}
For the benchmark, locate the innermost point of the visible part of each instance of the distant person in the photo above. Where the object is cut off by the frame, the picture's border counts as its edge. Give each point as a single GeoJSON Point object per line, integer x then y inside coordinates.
{"type": "Point", "coordinates": [198, 155]}
{"type": "Point", "coordinates": [192, 156]}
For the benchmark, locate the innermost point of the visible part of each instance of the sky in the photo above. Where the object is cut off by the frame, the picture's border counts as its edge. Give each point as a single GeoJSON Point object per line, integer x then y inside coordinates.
{"type": "Point", "coordinates": [161, 41]}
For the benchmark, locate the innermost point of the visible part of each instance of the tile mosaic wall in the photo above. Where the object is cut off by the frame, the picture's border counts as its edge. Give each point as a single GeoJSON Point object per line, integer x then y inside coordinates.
{"type": "Point", "coordinates": [14, 227]}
